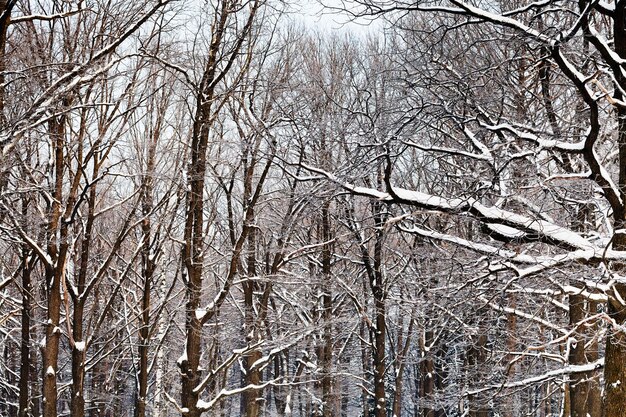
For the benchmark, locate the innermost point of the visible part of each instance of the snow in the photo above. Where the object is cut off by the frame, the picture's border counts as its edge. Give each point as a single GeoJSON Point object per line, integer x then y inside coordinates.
{"type": "Point", "coordinates": [508, 220]}
{"type": "Point", "coordinates": [545, 376]}
{"type": "Point", "coordinates": [203, 405]}
{"type": "Point", "coordinates": [80, 346]}
{"type": "Point", "coordinates": [200, 313]}
{"type": "Point", "coordinates": [486, 153]}
{"type": "Point", "coordinates": [183, 358]}
{"type": "Point", "coordinates": [608, 6]}
{"type": "Point", "coordinates": [429, 200]}
{"type": "Point", "coordinates": [50, 371]}
{"type": "Point", "coordinates": [506, 231]}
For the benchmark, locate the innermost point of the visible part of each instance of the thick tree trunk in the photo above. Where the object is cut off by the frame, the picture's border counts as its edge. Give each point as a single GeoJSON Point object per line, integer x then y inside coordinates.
{"type": "Point", "coordinates": [615, 353]}
{"type": "Point", "coordinates": [55, 273]}
{"type": "Point", "coordinates": [615, 360]}
{"type": "Point", "coordinates": [427, 376]}
{"type": "Point", "coordinates": [476, 360]}
{"type": "Point", "coordinates": [380, 333]}
{"type": "Point", "coordinates": [51, 349]}
{"type": "Point", "coordinates": [250, 398]}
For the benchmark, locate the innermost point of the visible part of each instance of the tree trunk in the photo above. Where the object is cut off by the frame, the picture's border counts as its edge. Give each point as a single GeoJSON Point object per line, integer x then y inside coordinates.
{"type": "Point", "coordinates": [148, 268]}
{"type": "Point", "coordinates": [615, 353]}
{"type": "Point", "coordinates": [6, 7]}
{"type": "Point", "coordinates": [427, 376]}
{"type": "Point", "coordinates": [55, 273]}
{"type": "Point", "coordinates": [476, 360]}
{"type": "Point", "coordinates": [78, 361]}
{"type": "Point", "coordinates": [250, 398]}
{"type": "Point", "coordinates": [27, 298]}
{"type": "Point", "coordinates": [594, 402]}
{"type": "Point", "coordinates": [511, 401]}
{"type": "Point", "coordinates": [380, 333]}
{"type": "Point", "coordinates": [365, 362]}
{"type": "Point", "coordinates": [326, 352]}
{"type": "Point", "coordinates": [402, 347]}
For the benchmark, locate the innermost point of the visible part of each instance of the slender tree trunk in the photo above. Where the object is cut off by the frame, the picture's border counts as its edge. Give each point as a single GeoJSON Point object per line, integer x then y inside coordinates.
{"type": "Point", "coordinates": [6, 7]}
{"type": "Point", "coordinates": [27, 299]}
{"type": "Point", "coordinates": [511, 401]}
{"type": "Point", "coordinates": [594, 402]}
{"type": "Point", "coordinates": [326, 356]}
{"type": "Point", "coordinates": [35, 409]}
{"type": "Point", "coordinates": [402, 350]}
{"type": "Point", "coordinates": [159, 408]}
{"type": "Point", "coordinates": [279, 392]}
{"type": "Point", "coordinates": [148, 268]}
{"type": "Point", "coordinates": [78, 361]}
{"type": "Point", "coordinates": [380, 329]}
{"type": "Point", "coordinates": [365, 362]}
{"type": "Point", "coordinates": [79, 346]}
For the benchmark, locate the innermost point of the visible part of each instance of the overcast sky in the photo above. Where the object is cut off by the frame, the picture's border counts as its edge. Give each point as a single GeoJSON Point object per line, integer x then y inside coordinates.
{"type": "Point", "coordinates": [313, 14]}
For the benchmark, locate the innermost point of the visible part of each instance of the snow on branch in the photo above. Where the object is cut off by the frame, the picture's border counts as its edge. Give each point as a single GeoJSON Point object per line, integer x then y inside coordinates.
{"type": "Point", "coordinates": [71, 79]}
{"type": "Point", "coordinates": [544, 144]}
{"type": "Point", "coordinates": [28, 18]}
{"type": "Point", "coordinates": [567, 370]}
{"type": "Point", "coordinates": [524, 315]}
{"type": "Point", "coordinates": [206, 406]}
{"type": "Point", "coordinates": [535, 229]}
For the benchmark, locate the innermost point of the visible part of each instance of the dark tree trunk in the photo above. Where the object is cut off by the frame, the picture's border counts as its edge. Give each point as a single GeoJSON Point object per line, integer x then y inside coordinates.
{"type": "Point", "coordinates": [427, 376]}
{"type": "Point", "coordinates": [615, 353]}
{"type": "Point", "coordinates": [326, 351]}
{"type": "Point", "coordinates": [250, 398]}
{"type": "Point", "coordinates": [476, 360]}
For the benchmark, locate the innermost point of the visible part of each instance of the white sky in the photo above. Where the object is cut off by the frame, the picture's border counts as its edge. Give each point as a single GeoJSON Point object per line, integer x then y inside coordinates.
{"type": "Point", "coordinates": [314, 15]}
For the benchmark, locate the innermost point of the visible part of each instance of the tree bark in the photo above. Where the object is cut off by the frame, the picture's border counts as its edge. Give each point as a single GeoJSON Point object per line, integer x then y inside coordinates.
{"type": "Point", "coordinates": [250, 398]}
{"type": "Point", "coordinates": [476, 359]}
{"type": "Point", "coordinates": [326, 351]}
{"type": "Point", "coordinates": [55, 273]}
{"type": "Point", "coordinates": [615, 353]}
{"type": "Point", "coordinates": [26, 362]}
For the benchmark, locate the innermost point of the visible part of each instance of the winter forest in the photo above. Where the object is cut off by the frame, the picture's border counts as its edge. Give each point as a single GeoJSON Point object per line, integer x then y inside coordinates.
{"type": "Point", "coordinates": [217, 208]}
